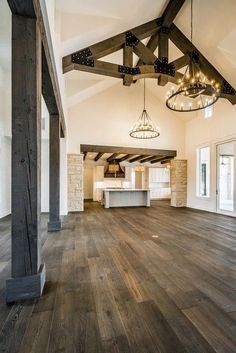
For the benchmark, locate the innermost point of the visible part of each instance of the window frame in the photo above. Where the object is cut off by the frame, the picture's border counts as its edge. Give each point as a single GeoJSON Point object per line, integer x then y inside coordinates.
{"type": "Point", "coordinates": [207, 173]}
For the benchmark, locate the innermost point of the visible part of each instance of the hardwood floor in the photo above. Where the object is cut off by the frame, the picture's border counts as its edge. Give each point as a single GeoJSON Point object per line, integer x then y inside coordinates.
{"type": "Point", "coordinates": [130, 280]}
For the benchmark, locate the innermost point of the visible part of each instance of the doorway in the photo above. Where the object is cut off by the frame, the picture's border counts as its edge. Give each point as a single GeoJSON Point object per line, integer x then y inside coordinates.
{"type": "Point", "coordinates": [226, 178]}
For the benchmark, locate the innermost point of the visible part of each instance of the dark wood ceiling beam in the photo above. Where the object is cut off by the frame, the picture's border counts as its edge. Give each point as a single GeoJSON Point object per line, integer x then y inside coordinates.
{"type": "Point", "coordinates": [148, 159]}
{"type": "Point", "coordinates": [113, 44]}
{"type": "Point", "coordinates": [168, 17]}
{"type": "Point", "coordinates": [171, 11]}
{"type": "Point", "coordinates": [180, 62]}
{"type": "Point", "coordinates": [166, 161]}
{"type": "Point", "coordinates": [163, 54]}
{"type": "Point", "coordinates": [157, 160]}
{"type": "Point", "coordinates": [127, 61]}
{"type": "Point", "coordinates": [98, 156]}
{"type": "Point", "coordinates": [151, 45]}
{"type": "Point", "coordinates": [22, 8]}
{"type": "Point", "coordinates": [144, 53]}
{"type": "Point", "coordinates": [126, 150]}
{"type": "Point", "coordinates": [47, 88]}
{"type": "Point", "coordinates": [125, 157]}
{"type": "Point", "coordinates": [185, 45]}
{"type": "Point", "coordinates": [101, 68]}
{"type": "Point", "coordinates": [112, 157]}
{"type": "Point", "coordinates": [135, 159]}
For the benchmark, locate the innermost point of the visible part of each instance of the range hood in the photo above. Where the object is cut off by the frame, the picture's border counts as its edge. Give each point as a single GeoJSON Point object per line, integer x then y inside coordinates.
{"type": "Point", "coordinates": [114, 170]}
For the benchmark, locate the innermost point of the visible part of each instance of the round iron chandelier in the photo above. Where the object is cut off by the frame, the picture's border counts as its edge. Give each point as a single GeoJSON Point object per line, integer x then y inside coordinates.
{"type": "Point", "coordinates": [144, 128]}
{"type": "Point", "coordinates": [194, 91]}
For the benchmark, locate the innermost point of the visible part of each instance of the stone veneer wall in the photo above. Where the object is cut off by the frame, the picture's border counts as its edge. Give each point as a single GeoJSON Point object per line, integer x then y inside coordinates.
{"type": "Point", "coordinates": [178, 182]}
{"type": "Point", "coordinates": [75, 183]}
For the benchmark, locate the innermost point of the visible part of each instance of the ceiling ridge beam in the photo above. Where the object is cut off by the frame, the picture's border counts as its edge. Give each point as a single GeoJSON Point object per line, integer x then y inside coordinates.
{"type": "Point", "coordinates": [172, 9]}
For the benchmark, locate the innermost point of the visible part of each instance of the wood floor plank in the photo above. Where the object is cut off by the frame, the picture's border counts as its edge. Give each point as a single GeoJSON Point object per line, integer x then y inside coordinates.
{"type": "Point", "coordinates": [113, 288]}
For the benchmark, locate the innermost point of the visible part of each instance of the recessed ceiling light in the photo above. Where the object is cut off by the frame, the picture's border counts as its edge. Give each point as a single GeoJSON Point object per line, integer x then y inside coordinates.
{"type": "Point", "coordinates": [155, 236]}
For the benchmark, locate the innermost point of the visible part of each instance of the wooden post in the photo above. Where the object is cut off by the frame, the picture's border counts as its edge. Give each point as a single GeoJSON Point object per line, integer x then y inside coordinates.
{"type": "Point", "coordinates": [54, 223]}
{"type": "Point", "coordinates": [163, 53]}
{"type": "Point", "coordinates": [28, 274]}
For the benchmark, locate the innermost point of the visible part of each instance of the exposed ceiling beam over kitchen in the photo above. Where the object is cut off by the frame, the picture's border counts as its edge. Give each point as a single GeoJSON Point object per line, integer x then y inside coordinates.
{"type": "Point", "coordinates": [148, 159]}
{"type": "Point", "coordinates": [135, 159]}
{"type": "Point", "coordinates": [129, 154]}
{"type": "Point", "coordinates": [127, 150]}
{"type": "Point", "coordinates": [157, 160]}
{"type": "Point", "coordinates": [98, 156]}
{"type": "Point", "coordinates": [112, 157]}
{"type": "Point", "coordinates": [125, 157]}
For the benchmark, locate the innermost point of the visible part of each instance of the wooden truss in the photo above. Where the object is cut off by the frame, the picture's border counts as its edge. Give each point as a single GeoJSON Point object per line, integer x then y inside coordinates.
{"type": "Point", "coordinates": [160, 31]}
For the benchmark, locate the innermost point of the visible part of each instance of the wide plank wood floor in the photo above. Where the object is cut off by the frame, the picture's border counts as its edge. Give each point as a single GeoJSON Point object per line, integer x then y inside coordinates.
{"type": "Point", "coordinates": [129, 280]}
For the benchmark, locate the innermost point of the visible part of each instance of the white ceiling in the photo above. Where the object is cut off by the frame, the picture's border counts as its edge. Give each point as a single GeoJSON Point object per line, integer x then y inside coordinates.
{"type": "Point", "coordinates": [86, 23]}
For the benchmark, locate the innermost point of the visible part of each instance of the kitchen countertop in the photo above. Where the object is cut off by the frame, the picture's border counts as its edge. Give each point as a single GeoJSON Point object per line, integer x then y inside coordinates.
{"type": "Point", "coordinates": [120, 189]}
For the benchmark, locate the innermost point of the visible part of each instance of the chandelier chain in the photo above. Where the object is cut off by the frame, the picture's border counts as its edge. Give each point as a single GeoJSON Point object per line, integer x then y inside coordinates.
{"type": "Point", "coordinates": [144, 95]}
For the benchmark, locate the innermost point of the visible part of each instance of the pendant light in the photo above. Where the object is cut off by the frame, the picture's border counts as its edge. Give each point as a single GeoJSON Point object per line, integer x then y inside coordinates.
{"type": "Point", "coordinates": [193, 92]}
{"type": "Point", "coordinates": [144, 128]}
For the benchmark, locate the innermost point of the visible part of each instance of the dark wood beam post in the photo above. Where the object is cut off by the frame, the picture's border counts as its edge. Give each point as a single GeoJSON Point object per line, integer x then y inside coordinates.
{"type": "Point", "coordinates": [163, 53]}
{"type": "Point", "coordinates": [28, 274]}
{"type": "Point", "coordinates": [54, 223]}
{"type": "Point", "coordinates": [127, 61]}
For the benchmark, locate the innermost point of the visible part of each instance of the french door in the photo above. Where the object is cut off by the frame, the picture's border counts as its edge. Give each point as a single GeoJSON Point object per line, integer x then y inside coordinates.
{"type": "Point", "coordinates": [226, 178]}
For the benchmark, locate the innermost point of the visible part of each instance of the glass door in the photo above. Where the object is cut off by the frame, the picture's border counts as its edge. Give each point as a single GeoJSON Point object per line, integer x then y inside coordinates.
{"type": "Point", "coordinates": [226, 178]}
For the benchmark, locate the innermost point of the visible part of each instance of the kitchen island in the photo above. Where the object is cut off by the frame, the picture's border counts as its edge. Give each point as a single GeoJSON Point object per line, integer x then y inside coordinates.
{"type": "Point", "coordinates": [119, 197]}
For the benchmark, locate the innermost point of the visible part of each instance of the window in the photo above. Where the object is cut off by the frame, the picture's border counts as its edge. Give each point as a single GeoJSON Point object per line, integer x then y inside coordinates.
{"type": "Point", "coordinates": [208, 112]}
{"type": "Point", "coordinates": [203, 172]}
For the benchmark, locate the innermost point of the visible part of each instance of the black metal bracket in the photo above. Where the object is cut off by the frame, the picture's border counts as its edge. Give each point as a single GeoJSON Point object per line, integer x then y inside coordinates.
{"type": "Point", "coordinates": [128, 70]}
{"type": "Point", "coordinates": [159, 21]}
{"type": "Point", "coordinates": [227, 88]}
{"type": "Point", "coordinates": [82, 57]}
{"type": "Point", "coordinates": [130, 39]}
{"type": "Point", "coordinates": [162, 67]}
{"type": "Point", "coordinates": [195, 56]}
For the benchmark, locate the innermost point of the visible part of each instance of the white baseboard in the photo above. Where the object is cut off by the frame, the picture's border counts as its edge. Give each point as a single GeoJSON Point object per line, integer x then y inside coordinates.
{"type": "Point", "coordinates": [5, 213]}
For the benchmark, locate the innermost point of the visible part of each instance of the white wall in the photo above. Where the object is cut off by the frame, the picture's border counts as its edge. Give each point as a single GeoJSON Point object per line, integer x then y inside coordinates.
{"type": "Point", "coordinates": [106, 119]}
{"type": "Point", "coordinates": [5, 109]}
{"type": "Point", "coordinates": [202, 132]}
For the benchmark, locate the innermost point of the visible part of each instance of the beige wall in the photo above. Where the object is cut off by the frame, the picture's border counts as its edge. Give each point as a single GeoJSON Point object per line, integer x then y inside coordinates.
{"type": "Point", "coordinates": [106, 119]}
{"type": "Point", "coordinates": [88, 182]}
{"type": "Point", "coordinates": [203, 132]}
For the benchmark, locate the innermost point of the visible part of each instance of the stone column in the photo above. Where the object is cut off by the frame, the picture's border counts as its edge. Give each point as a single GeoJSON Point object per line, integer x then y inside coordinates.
{"type": "Point", "coordinates": [75, 183]}
{"type": "Point", "coordinates": [178, 182]}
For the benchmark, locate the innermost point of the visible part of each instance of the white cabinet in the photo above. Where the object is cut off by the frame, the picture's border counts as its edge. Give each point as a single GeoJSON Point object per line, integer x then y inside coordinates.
{"type": "Point", "coordinates": [159, 183]}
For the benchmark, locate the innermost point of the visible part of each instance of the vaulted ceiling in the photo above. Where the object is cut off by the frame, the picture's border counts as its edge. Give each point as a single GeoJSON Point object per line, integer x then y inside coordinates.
{"type": "Point", "coordinates": [86, 23]}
